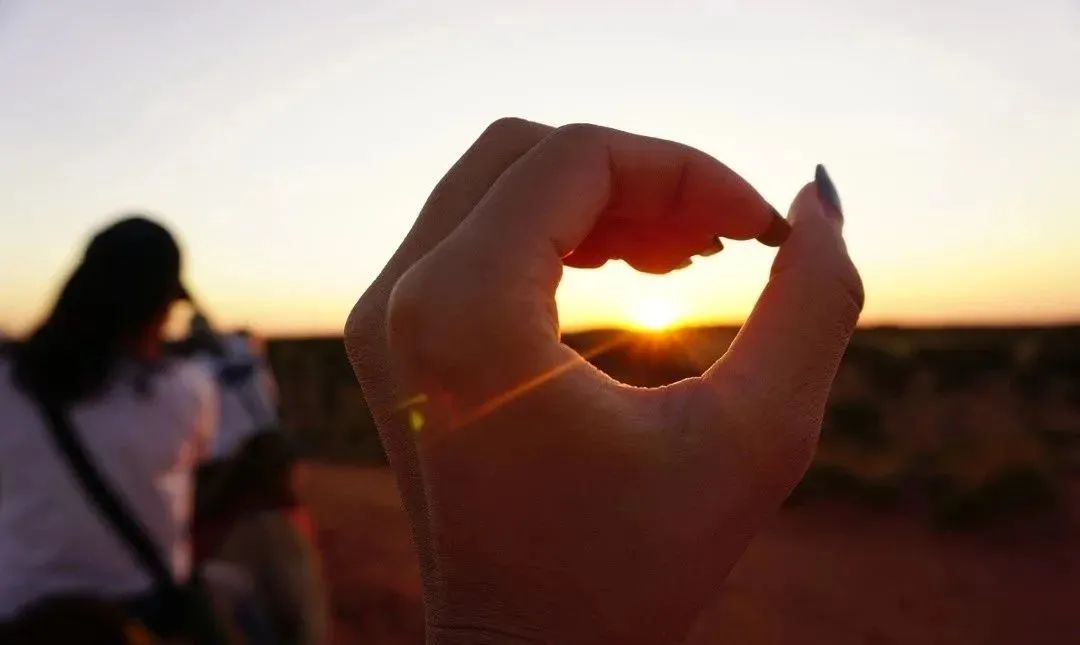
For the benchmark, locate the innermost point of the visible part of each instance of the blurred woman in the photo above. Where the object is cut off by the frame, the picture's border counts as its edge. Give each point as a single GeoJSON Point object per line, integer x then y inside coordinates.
{"type": "Point", "coordinates": [95, 369]}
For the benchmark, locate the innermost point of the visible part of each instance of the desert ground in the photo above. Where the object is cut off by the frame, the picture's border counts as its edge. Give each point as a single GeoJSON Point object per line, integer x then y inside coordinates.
{"type": "Point", "coordinates": [822, 572]}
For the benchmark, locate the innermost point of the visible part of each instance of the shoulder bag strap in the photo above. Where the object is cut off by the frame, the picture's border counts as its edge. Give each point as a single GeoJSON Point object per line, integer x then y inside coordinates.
{"type": "Point", "coordinates": [104, 498]}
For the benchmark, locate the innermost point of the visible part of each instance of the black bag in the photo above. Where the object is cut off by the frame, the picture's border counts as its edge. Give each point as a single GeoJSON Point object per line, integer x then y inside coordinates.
{"type": "Point", "coordinates": [172, 610]}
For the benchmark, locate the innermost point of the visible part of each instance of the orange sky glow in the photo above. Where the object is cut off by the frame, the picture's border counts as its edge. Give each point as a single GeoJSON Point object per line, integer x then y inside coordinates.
{"type": "Point", "coordinates": [290, 148]}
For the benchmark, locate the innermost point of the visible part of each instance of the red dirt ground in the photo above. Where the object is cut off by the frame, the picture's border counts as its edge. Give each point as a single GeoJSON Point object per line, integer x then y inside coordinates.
{"type": "Point", "coordinates": [822, 573]}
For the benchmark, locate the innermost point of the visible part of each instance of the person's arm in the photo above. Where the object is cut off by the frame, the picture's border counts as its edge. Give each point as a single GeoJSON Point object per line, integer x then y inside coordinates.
{"type": "Point", "coordinates": [550, 503]}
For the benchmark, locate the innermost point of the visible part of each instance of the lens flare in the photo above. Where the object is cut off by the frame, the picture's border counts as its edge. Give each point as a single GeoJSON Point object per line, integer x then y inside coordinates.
{"type": "Point", "coordinates": [655, 314]}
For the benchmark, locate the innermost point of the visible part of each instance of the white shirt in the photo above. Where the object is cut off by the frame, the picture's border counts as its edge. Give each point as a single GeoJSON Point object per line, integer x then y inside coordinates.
{"type": "Point", "coordinates": [247, 406]}
{"type": "Point", "coordinates": [145, 444]}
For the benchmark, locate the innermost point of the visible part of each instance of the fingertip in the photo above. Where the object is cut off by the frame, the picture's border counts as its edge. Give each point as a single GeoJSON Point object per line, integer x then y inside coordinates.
{"type": "Point", "coordinates": [582, 261]}
{"type": "Point", "coordinates": [658, 266]}
{"type": "Point", "coordinates": [716, 245]}
{"type": "Point", "coordinates": [777, 230]}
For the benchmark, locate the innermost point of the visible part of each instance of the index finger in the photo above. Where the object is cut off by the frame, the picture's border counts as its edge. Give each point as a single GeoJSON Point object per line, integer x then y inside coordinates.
{"type": "Point", "coordinates": [707, 200]}
{"type": "Point", "coordinates": [493, 280]}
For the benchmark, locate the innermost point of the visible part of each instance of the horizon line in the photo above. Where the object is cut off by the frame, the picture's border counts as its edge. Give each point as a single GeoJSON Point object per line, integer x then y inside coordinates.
{"type": "Point", "coordinates": [949, 326]}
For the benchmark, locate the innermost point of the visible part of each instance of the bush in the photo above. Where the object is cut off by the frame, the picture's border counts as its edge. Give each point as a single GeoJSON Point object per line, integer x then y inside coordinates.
{"type": "Point", "coordinates": [1018, 491]}
{"type": "Point", "coordinates": [855, 423]}
{"type": "Point", "coordinates": [836, 482]}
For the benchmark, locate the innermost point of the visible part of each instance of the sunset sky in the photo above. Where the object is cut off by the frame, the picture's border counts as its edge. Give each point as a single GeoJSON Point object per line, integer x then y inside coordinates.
{"type": "Point", "coordinates": [290, 144]}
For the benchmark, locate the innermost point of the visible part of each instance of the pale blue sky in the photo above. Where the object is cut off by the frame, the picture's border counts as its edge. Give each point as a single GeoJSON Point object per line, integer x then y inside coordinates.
{"type": "Point", "coordinates": [290, 144]}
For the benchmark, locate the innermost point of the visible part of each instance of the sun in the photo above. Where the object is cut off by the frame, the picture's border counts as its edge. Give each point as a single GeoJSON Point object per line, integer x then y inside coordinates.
{"type": "Point", "coordinates": [654, 314]}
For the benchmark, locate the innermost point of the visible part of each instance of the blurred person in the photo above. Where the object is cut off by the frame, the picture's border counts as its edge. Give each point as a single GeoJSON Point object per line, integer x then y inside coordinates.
{"type": "Point", "coordinates": [100, 434]}
{"type": "Point", "coordinates": [246, 403]}
{"type": "Point", "coordinates": [549, 502]}
{"type": "Point", "coordinates": [244, 496]}
{"type": "Point", "coordinates": [247, 392]}
{"type": "Point", "coordinates": [258, 525]}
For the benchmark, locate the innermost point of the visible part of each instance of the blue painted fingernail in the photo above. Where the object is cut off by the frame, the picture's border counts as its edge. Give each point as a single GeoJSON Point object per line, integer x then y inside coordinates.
{"type": "Point", "coordinates": [826, 190]}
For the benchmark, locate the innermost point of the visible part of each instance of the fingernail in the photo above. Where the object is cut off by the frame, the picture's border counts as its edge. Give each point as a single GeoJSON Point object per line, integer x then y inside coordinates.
{"type": "Point", "coordinates": [826, 190]}
{"type": "Point", "coordinates": [778, 231]}
{"type": "Point", "coordinates": [717, 246]}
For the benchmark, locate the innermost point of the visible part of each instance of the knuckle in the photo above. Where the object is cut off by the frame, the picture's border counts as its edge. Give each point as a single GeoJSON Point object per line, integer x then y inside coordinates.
{"type": "Point", "coordinates": [513, 132]}
{"type": "Point", "coordinates": [426, 324]}
{"type": "Point", "coordinates": [506, 125]}
{"type": "Point", "coordinates": [359, 323]}
{"type": "Point", "coordinates": [364, 333]}
{"type": "Point", "coordinates": [851, 283]}
{"type": "Point", "coordinates": [575, 134]}
{"type": "Point", "coordinates": [408, 311]}
{"type": "Point", "coordinates": [582, 147]}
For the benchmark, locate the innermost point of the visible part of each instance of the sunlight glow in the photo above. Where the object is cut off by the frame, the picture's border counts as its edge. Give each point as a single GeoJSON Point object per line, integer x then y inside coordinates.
{"type": "Point", "coordinates": [655, 313]}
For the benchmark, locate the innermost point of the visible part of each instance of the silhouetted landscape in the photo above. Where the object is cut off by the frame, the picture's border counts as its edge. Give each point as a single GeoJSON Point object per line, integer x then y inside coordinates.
{"type": "Point", "coordinates": [943, 504]}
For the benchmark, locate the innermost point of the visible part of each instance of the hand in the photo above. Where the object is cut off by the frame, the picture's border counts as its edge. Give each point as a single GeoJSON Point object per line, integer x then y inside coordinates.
{"type": "Point", "coordinates": [549, 502]}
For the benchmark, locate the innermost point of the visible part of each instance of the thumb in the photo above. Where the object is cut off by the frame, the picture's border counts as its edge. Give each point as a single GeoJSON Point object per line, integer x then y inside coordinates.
{"type": "Point", "coordinates": [786, 355]}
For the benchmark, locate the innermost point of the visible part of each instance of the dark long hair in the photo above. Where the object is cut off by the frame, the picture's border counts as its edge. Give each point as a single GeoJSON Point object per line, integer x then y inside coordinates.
{"type": "Point", "coordinates": [126, 280]}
